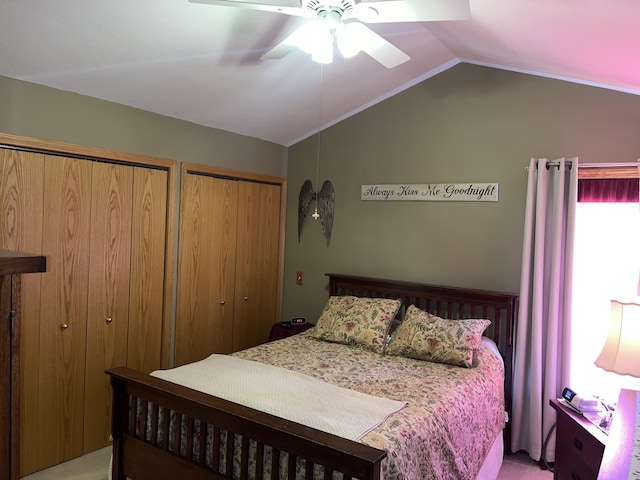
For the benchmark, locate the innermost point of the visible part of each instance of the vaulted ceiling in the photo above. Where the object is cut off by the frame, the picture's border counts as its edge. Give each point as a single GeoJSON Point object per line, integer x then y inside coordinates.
{"type": "Point", "coordinates": [201, 63]}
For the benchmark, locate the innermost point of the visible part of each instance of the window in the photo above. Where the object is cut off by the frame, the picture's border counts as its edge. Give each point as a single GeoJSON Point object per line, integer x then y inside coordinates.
{"type": "Point", "coordinates": [606, 267]}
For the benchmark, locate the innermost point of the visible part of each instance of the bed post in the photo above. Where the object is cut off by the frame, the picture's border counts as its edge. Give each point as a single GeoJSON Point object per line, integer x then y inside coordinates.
{"type": "Point", "coordinates": [118, 425]}
{"type": "Point", "coordinates": [512, 318]}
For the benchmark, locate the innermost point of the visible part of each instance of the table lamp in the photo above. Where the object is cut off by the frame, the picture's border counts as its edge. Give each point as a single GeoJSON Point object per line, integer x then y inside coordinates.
{"type": "Point", "coordinates": [621, 355]}
{"type": "Point", "coordinates": [621, 351]}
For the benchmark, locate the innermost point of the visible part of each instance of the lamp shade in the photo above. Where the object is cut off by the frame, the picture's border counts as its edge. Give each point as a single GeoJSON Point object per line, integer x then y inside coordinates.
{"type": "Point", "coordinates": [621, 351]}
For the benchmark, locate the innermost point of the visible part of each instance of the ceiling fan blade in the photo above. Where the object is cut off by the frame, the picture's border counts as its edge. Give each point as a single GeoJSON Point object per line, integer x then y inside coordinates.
{"type": "Point", "coordinates": [377, 47]}
{"type": "Point", "coordinates": [294, 11]}
{"type": "Point", "coordinates": [283, 48]}
{"type": "Point", "coordinates": [412, 11]}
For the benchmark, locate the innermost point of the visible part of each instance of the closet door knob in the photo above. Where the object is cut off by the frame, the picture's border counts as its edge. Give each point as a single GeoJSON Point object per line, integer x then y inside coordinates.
{"type": "Point", "coordinates": [64, 326]}
{"type": "Point", "coordinates": [246, 298]}
{"type": "Point", "coordinates": [109, 320]}
{"type": "Point", "coordinates": [221, 302]}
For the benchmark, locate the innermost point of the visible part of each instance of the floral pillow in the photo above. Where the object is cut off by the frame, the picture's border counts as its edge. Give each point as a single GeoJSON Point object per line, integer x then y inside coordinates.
{"type": "Point", "coordinates": [427, 337]}
{"type": "Point", "coordinates": [357, 321]}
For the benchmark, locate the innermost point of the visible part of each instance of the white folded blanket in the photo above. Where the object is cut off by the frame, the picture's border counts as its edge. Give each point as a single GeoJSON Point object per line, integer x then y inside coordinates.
{"type": "Point", "coordinates": [286, 394]}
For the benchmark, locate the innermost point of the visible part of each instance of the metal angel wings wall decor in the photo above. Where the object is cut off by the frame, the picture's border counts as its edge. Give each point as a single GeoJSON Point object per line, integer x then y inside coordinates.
{"type": "Point", "coordinates": [325, 205]}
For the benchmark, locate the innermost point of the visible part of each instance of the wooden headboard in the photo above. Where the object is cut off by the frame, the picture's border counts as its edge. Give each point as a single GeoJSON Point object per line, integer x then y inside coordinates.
{"type": "Point", "coordinates": [447, 302]}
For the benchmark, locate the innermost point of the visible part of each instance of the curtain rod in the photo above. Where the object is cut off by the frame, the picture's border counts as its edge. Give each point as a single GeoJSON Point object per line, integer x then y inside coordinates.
{"type": "Point", "coordinates": [556, 163]}
{"type": "Point", "coordinates": [550, 163]}
{"type": "Point", "coordinates": [611, 165]}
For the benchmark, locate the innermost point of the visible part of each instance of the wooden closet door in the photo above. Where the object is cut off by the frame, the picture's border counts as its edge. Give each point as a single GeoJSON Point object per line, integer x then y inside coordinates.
{"type": "Point", "coordinates": [63, 307]}
{"type": "Point", "coordinates": [208, 213]}
{"type": "Point", "coordinates": [21, 200]}
{"type": "Point", "coordinates": [148, 254]}
{"type": "Point", "coordinates": [108, 306]}
{"type": "Point", "coordinates": [119, 249]}
{"type": "Point", "coordinates": [257, 263]}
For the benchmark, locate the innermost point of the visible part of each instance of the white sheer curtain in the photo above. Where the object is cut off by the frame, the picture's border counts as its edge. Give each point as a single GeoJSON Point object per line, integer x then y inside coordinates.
{"type": "Point", "coordinates": [542, 356]}
{"type": "Point", "coordinates": [606, 267]}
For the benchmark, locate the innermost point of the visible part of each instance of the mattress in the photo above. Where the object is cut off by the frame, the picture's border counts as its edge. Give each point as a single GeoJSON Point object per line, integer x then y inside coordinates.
{"type": "Point", "coordinates": [450, 428]}
{"type": "Point", "coordinates": [453, 416]}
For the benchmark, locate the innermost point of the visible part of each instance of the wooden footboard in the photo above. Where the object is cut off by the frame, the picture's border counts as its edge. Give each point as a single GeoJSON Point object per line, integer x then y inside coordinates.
{"type": "Point", "coordinates": [165, 431]}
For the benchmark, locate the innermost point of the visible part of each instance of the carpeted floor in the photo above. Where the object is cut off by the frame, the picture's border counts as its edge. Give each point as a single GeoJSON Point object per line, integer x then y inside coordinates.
{"type": "Point", "coordinates": [519, 466]}
{"type": "Point", "coordinates": [95, 466]}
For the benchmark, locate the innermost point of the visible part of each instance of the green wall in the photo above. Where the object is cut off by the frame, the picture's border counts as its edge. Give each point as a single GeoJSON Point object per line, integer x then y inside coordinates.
{"type": "Point", "coordinates": [467, 124]}
{"type": "Point", "coordinates": [36, 111]}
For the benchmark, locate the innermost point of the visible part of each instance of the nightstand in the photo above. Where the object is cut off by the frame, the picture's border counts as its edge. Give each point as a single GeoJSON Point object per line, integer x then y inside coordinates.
{"type": "Point", "coordinates": [286, 329]}
{"type": "Point", "coordinates": [579, 445]}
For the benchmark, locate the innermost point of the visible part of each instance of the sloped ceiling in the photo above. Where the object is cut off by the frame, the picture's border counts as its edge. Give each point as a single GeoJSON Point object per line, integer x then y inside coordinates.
{"type": "Point", "coordinates": [201, 63]}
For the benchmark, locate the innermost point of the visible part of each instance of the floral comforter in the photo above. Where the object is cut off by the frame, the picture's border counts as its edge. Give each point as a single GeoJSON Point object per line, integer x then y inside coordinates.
{"type": "Point", "coordinates": [454, 413]}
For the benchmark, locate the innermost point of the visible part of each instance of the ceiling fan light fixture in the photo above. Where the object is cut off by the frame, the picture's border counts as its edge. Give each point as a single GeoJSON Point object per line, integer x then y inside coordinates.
{"type": "Point", "coordinates": [349, 40]}
{"type": "Point", "coordinates": [323, 50]}
{"type": "Point", "coordinates": [310, 36]}
{"type": "Point", "coordinates": [316, 40]}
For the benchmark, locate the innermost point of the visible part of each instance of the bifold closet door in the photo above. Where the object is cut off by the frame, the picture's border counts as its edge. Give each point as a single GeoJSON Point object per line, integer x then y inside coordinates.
{"type": "Point", "coordinates": [102, 227]}
{"type": "Point", "coordinates": [256, 263]}
{"type": "Point", "coordinates": [148, 254]}
{"type": "Point", "coordinates": [126, 284]}
{"type": "Point", "coordinates": [63, 310]}
{"type": "Point", "coordinates": [46, 203]}
{"type": "Point", "coordinates": [206, 265]}
{"type": "Point", "coordinates": [21, 197]}
{"type": "Point", "coordinates": [108, 307]}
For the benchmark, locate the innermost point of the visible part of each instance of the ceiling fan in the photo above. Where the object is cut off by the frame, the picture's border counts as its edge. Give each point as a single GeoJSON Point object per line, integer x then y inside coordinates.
{"type": "Point", "coordinates": [342, 20]}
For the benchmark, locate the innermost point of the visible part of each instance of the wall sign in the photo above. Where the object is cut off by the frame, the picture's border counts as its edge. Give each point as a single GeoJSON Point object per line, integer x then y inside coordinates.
{"type": "Point", "coordinates": [444, 192]}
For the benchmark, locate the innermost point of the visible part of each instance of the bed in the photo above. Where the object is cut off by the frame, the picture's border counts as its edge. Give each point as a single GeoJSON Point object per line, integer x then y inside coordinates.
{"type": "Point", "coordinates": [164, 430]}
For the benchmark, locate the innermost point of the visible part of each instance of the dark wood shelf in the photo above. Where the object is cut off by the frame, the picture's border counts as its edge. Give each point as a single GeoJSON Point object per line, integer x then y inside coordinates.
{"type": "Point", "coordinates": [17, 263]}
